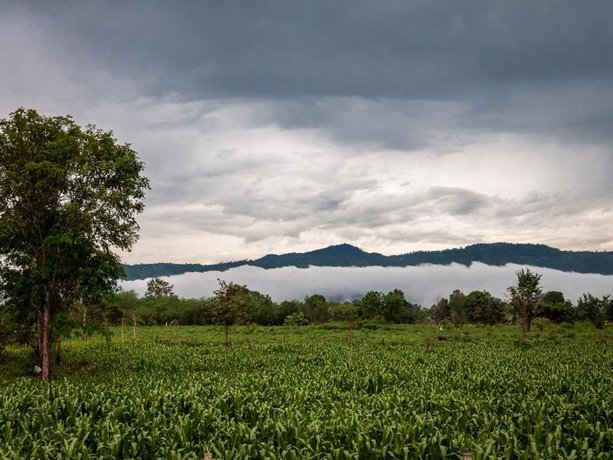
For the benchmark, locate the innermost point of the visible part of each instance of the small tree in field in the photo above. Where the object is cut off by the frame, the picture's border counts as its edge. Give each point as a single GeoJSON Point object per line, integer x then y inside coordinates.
{"type": "Point", "coordinates": [440, 311]}
{"type": "Point", "coordinates": [68, 200]}
{"type": "Point", "coordinates": [157, 287]}
{"type": "Point", "coordinates": [525, 296]}
{"type": "Point", "coordinates": [228, 305]}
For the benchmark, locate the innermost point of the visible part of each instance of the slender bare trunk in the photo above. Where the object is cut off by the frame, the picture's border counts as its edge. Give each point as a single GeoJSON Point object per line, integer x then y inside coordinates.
{"type": "Point", "coordinates": [227, 343]}
{"type": "Point", "coordinates": [45, 334]}
{"type": "Point", "coordinates": [84, 324]}
{"type": "Point", "coordinates": [39, 337]}
{"type": "Point", "coordinates": [58, 356]}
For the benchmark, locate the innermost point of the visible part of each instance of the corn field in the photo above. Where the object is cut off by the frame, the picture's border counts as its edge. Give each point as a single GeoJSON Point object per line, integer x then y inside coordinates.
{"type": "Point", "coordinates": [319, 399]}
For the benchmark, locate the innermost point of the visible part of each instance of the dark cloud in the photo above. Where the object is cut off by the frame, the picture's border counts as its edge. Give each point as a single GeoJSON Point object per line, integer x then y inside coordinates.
{"type": "Point", "coordinates": [397, 49]}
{"type": "Point", "coordinates": [279, 125]}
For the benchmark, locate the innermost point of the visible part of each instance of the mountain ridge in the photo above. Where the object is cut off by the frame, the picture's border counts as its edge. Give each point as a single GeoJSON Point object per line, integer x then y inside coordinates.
{"type": "Point", "coordinates": [347, 255]}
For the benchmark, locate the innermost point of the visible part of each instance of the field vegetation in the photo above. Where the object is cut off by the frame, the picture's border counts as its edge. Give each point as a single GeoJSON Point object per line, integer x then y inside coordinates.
{"type": "Point", "coordinates": [386, 391]}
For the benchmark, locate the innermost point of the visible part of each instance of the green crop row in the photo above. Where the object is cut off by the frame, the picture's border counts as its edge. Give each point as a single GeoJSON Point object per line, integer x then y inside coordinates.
{"type": "Point", "coordinates": [318, 399]}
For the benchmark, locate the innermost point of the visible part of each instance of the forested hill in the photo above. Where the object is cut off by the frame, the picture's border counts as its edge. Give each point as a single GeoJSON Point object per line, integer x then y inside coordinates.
{"type": "Point", "coordinates": [345, 255]}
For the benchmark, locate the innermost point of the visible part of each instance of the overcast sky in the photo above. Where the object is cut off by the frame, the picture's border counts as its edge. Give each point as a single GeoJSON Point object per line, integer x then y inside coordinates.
{"type": "Point", "coordinates": [275, 126]}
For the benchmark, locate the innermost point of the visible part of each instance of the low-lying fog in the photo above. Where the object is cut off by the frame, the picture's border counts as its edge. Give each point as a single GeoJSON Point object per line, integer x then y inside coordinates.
{"type": "Point", "coordinates": [423, 284]}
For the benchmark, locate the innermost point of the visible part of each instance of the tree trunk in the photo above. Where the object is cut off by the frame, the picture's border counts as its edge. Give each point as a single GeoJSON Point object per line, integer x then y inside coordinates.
{"type": "Point", "coordinates": [45, 334]}
{"type": "Point", "coordinates": [58, 356]}
{"type": "Point", "coordinates": [39, 337]}
{"type": "Point", "coordinates": [134, 326]}
{"type": "Point", "coordinates": [84, 324]}
{"type": "Point", "coordinates": [226, 343]}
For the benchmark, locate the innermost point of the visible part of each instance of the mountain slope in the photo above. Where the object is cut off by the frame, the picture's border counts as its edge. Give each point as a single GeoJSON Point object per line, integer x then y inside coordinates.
{"type": "Point", "coordinates": [346, 255]}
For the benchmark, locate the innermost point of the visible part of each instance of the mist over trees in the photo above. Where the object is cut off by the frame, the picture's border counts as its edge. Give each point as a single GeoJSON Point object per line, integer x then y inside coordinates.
{"type": "Point", "coordinates": [237, 304]}
{"type": "Point", "coordinates": [234, 304]}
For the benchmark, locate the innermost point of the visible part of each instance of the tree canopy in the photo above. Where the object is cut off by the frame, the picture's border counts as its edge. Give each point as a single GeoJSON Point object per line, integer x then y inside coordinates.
{"type": "Point", "coordinates": [525, 296]}
{"type": "Point", "coordinates": [157, 287]}
{"type": "Point", "coordinates": [68, 199]}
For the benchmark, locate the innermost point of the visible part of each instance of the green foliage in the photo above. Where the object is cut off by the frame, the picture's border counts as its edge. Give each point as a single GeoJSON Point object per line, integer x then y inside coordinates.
{"type": "Point", "coordinates": [591, 308]}
{"type": "Point", "coordinates": [477, 307]}
{"type": "Point", "coordinates": [609, 309]}
{"type": "Point", "coordinates": [296, 319]}
{"type": "Point", "coordinates": [345, 311]}
{"type": "Point", "coordinates": [393, 307]}
{"type": "Point", "coordinates": [482, 307]}
{"type": "Point", "coordinates": [8, 328]}
{"type": "Point", "coordinates": [525, 295]}
{"type": "Point", "coordinates": [556, 308]}
{"type": "Point", "coordinates": [316, 308]}
{"type": "Point", "coordinates": [68, 199]}
{"type": "Point", "coordinates": [457, 307]}
{"type": "Point", "coordinates": [308, 393]}
{"type": "Point", "coordinates": [157, 287]}
{"type": "Point", "coordinates": [440, 311]}
{"type": "Point", "coordinates": [370, 305]}
{"type": "Point", "coordinates": [228, 305]}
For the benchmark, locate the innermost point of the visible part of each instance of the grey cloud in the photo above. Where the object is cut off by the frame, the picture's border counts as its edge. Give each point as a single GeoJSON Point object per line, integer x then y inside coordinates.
{"type": "Point", "coordinates": [403, 75]}
{"type": "Point", "coordinates": [416, 50]}
{"type": "Point", "coordinates": [455, 201]}
{"type": "Point", "coordinates": [403, 124]}
{"type": "Point", "coordinates": [268, 121]}
{"type": "Point", "coordinates": [395, 49]}
{"type": "Point", "coordinates": [559, 113]}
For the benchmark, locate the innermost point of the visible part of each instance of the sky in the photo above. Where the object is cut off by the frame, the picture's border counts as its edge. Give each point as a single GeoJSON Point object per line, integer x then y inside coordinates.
{"type": "Point", "coordinates": [278, 126]}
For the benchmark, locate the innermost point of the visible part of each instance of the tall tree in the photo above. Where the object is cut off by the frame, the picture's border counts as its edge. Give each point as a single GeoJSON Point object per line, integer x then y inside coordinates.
{"type": "Point", "coordinates": [228, 305]}
{"type": "Point", "coordinates": [457, 307]}
{"type": "Point", "coordinates": [482, 307]}
{"type": "Point", "coordinates": [68, 200]}
{"type": "Point", "coordinates": [525, 296]}
{"type": "Point", "coordinates": [440, 311]}
{"type": "Point", "coordinates": [316, 308]}
{"type": "Point", "coordinates": [394, 306]}
{"type": "Point", "coordinates": [371, 305]}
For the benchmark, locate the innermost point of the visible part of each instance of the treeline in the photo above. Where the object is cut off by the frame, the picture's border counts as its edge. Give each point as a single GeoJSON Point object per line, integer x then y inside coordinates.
{"type": "Point", "coordinates": [480, 307]}
{"type": "Point", "coordinates": [237, 304]}
{"type": "Point", "coordinates": [160, 306]}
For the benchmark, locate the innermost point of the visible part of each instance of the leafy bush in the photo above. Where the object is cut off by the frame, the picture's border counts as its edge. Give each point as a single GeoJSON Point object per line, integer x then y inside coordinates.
{"type": "Point", "coordinates": [296, 319]}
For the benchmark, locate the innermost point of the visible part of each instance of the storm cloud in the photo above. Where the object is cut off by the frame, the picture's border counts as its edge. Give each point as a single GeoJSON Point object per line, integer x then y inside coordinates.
{"type": "Point", "coordinates": [286, 126]}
